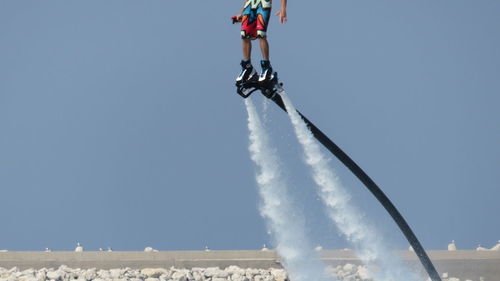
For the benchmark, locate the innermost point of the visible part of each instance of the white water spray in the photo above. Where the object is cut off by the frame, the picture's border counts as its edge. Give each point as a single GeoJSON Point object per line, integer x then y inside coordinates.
{"type": "Point", "coordinates": [369, 248]}
{"type": "Point", "coordinates": [286, 226]}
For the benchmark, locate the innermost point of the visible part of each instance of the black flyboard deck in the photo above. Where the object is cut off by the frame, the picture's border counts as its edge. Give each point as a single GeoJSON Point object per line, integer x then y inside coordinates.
{"type": "Point", "coordinates": [273, 94]}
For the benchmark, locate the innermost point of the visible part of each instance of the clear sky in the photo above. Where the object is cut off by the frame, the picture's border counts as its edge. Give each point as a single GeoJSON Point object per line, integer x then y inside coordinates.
{"type": "Point", "coordinates": [119, 125]}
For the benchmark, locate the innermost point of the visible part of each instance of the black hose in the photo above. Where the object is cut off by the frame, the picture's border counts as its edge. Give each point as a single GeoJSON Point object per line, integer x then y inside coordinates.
{"type": "Point", "coordinates": [374, 189]}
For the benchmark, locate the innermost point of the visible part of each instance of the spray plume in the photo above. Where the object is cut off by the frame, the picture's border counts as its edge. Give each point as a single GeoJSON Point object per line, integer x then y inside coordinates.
{"type": "Point", "coordinates": [370, 249]}
{"type": "Point", "coordinates": [284, 223]}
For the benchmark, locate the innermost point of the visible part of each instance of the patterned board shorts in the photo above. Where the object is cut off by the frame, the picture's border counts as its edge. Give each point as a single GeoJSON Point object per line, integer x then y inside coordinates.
{"type": "Point", "coordinates": [254, 22]}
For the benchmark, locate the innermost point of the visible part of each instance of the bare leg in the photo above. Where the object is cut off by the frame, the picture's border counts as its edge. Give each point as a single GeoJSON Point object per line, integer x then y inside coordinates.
{"type": "Point", "coordinates": [264, 48]}
{"type": "Point", "coordinates": [247, 49]}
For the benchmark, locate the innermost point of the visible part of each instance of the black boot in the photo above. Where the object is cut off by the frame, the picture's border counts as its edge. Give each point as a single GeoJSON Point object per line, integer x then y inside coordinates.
{"type": "Point", "coordinates": [267, 71]}
{"type": "Point", "coordinates": [247, 71]}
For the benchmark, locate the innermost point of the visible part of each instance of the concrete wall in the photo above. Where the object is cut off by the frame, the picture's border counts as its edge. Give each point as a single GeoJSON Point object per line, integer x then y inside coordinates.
{"type": "Point", "coordinates": [462, 264]}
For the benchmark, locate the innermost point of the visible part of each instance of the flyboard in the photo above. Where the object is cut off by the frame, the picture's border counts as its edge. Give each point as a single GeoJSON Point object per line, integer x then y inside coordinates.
{"type": "Point", "coordinates": [271, 89]}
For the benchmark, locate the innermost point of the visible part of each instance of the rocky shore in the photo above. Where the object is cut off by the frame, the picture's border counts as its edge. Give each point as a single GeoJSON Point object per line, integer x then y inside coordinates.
{"type": "Point", "coordinates": [347, 272]}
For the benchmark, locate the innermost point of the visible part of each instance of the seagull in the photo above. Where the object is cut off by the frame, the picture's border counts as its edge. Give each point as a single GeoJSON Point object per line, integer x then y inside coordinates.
{"type": "Point", "coordinates": [48, 250]}
{"type": "Point", "coordinates": [109, 249]}
{"type": "Point", "coordinates": [411, 249]}
{"type": "Point", "coordinates": [101, 249]}
{"type": "Point", "coordinates": [264, 248]}
{"type": "Point", "coordinates": [479, 248]}
{"type": "Point", "coordinates": [318, 248]}
{"type": "Point", "coordinates": [150, 249]}
{"type": "Point", "coordinates": [207, 249]}
{"type": "Point", "coordinates": [452, 246]}
{"type": "Point", "coordinates": [79, 248]}
{"type": "Point", "coordinates": [496, 247]}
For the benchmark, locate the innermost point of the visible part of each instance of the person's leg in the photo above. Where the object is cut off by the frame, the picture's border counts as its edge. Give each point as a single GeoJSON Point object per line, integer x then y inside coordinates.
{"type": "Point", "coordinates": [264, 48]}
{"type": "Point", "coordinates": [263, 16]}
{"type": "Point", "coordinates": [248, 31]}
{"type": "Point", "coordinates": [265, 64]}
{"type": "Point", "coordinates": [247, 48]}
{"type": "Point", "coordinates": [247, 70]}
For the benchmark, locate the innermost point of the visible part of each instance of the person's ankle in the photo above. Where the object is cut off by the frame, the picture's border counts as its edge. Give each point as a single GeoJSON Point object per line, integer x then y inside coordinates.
{"type": "Point", "coordinates": [246, 63]}
{"type": "Point", "coordinates": [266, 64]}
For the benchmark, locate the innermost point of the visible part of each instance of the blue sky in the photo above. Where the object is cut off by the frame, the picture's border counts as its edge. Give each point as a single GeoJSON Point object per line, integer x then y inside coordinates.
{"type": "Point", "coordinates": [120, 127]}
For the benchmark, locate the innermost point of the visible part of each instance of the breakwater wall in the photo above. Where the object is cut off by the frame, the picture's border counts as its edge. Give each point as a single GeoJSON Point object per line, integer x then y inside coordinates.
{"type": "Point", "coordinates": [462, 264]}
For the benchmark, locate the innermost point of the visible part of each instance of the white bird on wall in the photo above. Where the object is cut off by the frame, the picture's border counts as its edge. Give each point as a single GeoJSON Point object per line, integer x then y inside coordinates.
{"type": "Point", "coordinates": [496, 247]}
{"type": "Point", "coordinates": [479, 248]}
{"type": "Point", "coordinates": [452, 246]}
{"type": "Point", "coordinates": [79, 248]}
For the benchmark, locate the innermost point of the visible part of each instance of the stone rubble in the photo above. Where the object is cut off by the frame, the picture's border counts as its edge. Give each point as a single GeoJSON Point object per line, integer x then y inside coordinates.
{"type": "Point", "coordinates": [347, 272]}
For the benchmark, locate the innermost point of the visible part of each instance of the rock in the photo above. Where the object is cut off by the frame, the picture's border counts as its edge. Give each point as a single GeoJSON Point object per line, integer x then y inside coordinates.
{"type": "Point", "coordinates": [55, 275]}
{"type": "Point", "coordinates": [152, 279]}
{"type": "Point", "coordinates": [235, 270]}
{"type": "Point", "coordinates": [65, 268]}
{"type": "Point", "coordinates": [179, 276]}
{"type": "Point", "coordinates": [222, 274]}
{"type": "Point", "coordinates": [238, 277]}
{"type": "Point", "coordinates": [351, 277]}
{"type": "Point", "coordinates": [453, 279]}
{"type": "Point", "coordinates": [349, 268]}
{"type": "Point", "coordinates": [211, 271]}
{"type": "Point", "coordinates": [250, 273]}
{"type": "Point", "coordinates": [25, 278]}
{"type": "Point", "coordinates": [155, 272]}
{"type": "Point", "coordinates": [28, 272]}
{"type": "Point", "coordinates": [364, 273]}
{"type": "Point", "coordinates": [104, 274]}
{"type": "Point", "coordinates": [90, 274]}
{"type": "Point", "coordinates": [268, 277]}
{"type": "Point", "coordinates": [41, 275]}
{"type": "Point", "coordinates": [116, 273]}
{"type": "Point", "coordinates": [219, 279]}
{"type": "Point", "coordinates": [198, 276]}
{"type": "Point", "coordinates": [279, 274]}
{"type": "Point", "coordinates": [72, 275]}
